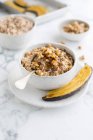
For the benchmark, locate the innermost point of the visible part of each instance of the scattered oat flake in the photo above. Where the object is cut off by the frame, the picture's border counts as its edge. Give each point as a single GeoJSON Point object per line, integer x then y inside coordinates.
{"type": "Point", "coordinates": [82, 58]}
{"type": "Point", "coordinates": [62, 42]}
{"type": "Point", "coordinates": [79, 47]}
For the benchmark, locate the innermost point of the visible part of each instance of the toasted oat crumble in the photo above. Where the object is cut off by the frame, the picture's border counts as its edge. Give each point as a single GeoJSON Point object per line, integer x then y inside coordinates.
{"type": "Point", "coordinates": [47, 61]}
{"type": "Point", "coordinates": [15, 25]}
{"type": "Point", "coordinates": [76, 27]}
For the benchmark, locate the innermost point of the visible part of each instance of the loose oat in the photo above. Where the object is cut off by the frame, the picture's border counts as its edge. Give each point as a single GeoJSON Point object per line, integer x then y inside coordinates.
{"type": "Point", "coordinates": [47, 61]}
{"type": "Point", "coordinates": [15, 25]}
{"type": "Point", "coordinates": [79, 47]}
{"type": "Point", "coordinates": [82, 58]}
{"type": "Point", "coordinates": [62, 42]}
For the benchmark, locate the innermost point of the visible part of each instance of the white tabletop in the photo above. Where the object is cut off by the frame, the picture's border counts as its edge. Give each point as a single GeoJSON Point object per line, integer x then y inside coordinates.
{"type": "Point", "coordinates": [19, 121]}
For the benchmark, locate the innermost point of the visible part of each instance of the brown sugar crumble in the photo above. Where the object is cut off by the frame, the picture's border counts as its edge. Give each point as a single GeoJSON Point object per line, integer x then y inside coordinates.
{"type": "Point", "coordinates": [47, 61]}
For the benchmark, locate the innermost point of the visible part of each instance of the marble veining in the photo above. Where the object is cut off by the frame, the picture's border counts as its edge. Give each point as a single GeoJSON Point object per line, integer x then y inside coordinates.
{"type": "Point", "coordinates": [13, 113]}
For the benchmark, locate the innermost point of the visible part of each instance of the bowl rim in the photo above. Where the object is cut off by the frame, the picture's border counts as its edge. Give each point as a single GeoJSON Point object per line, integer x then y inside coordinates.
{"type": "Point", "coordinates": [72, 53]}
{"type": "Point", "coordinates": [18, 15]}
{"type": "Point", "coordinates": [69, 21]}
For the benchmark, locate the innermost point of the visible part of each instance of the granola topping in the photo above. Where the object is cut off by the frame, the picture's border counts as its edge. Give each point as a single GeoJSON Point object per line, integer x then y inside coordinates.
{"type": "Point", "coordinates": [76, 27]}
{"type": "Point", "coordinates": [47, 61]}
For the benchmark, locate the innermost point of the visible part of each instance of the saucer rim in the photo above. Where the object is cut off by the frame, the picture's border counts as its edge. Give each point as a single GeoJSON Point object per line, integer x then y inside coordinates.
{"type": "Point", "coordinates": [50, 105]}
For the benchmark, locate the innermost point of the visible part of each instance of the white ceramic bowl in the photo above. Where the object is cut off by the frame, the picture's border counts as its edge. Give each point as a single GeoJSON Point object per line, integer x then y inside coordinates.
{"type": "Point", "coordinates": [15, 42]}
{"type": "Point", "coordinates": [50, 82]}
{"type": "Point", "coordinates": [70, 36]}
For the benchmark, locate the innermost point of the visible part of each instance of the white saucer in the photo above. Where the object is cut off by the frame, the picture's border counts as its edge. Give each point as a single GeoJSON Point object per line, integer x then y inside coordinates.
{"type": "Point", "coordinates": [34, 96]}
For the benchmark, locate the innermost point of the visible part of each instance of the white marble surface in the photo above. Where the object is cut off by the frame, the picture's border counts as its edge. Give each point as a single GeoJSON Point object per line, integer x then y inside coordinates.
{"type": "Point", "coordinates": [19, 121]}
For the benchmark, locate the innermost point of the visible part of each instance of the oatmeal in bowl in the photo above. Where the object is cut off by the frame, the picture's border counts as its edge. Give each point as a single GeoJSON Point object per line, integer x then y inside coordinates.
{"type": "Point", "coordinates": [47, 61]}
{"type": "Point", "coordinates": [53, 64]}
{"type": "Point", "coordinates": [15, 25]}
{"type": "Point", "coordinates": [74, 29]}
{"type": "Point", "coordinates": [16, 31]}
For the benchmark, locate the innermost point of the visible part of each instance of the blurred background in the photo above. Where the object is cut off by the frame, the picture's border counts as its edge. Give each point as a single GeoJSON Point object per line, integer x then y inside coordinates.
{"type": "Point", "coordinates": [79, 8]}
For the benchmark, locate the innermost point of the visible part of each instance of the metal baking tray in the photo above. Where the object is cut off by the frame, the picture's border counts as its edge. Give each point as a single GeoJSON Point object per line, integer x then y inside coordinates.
{"type": "Point", "coordinates": [55, 8]}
